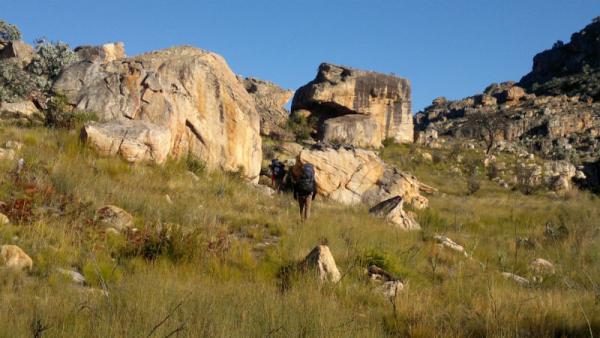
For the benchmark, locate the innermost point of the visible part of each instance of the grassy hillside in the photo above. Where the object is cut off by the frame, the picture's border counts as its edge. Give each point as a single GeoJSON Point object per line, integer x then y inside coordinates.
{"type": "Point", "coordinates": [207, 263]}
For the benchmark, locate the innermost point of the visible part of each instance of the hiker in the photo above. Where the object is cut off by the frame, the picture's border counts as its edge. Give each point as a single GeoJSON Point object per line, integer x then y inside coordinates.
{"type": "Point", "coordinates": [277, 169]}
{"type": "Point", "coordinates": [305, 188]}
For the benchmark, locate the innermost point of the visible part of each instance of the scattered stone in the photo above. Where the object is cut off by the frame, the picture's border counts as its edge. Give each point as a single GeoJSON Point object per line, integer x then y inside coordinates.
{"type": "Point", "coordinates": [450, 244]}
{"type": "Point", "coordinates": [7, 154]}
{"type": "Point", "coordinates": [518, 279]}
{"type": "Point", "coordinates": [13, 257]}
{"type": "Point", "coordinates": [321, 260]}
{"type": "Point", "coordinates": [4, 219]}
{"type": "Point", "coordinates": [72, 275]}
{"type": "Point", "coordinates": [391, 289]}
{"type": "Point", "coordinates": [14, 145]}
{"type": "Point", "coordinates": [266, 190]}
{"type": "Point", "coordinates": [427, 157]}
{"type": "Point", "coordinates": [541, 267]}
{"type": "Point", "coordinates": [110, 216]}
{"type": "Point", "coordinates": [391, 210]}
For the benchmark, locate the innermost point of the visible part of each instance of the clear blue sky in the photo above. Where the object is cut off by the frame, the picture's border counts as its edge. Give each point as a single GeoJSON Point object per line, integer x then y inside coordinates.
{"type": "Point", "coordinates": [451, 48]}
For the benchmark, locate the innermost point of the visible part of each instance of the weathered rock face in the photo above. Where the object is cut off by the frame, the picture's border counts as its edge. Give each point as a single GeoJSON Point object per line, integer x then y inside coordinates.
{"type": "Point", "coordinates": [135, 141]}
{"type": "Point", "coordinates": [104, 53]}
{"type": "Point", "coordinates": [189, 92]}
{"type": "Point", "coordinates": [554, 127]}
{"type": "Point", "coordinates": [338, 91]}
{"type": "Point", "coordinates": [360, 176]}
{"type": "Point", "coordinates": [572, 68]}
{"type": "Point", "coordinates": [270, 100]}
{"type": "Point", "coordinates": [361, 130]}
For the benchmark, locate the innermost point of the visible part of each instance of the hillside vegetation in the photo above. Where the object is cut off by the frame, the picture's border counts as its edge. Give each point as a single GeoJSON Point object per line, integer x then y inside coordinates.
{"type": "Point", "coordinates": [206, 260]}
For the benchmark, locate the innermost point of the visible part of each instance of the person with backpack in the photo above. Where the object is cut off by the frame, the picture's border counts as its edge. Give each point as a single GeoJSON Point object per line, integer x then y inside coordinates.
{"type": "Point", "coordinates": [277, 169]}
{"type": "Point", "coordinates": [305, 188]}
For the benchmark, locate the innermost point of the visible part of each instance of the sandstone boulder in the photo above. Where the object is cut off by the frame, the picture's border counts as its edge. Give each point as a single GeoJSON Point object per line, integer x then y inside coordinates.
{"type": "Point", "coordinates": [133, 140]}
{"type": "Point", "coordinates": [104, 53]}
{"type": "Point", "coordinates": [391, 210]}
{"type": "Point", "coordinates": [13, 257]}
{"type": "Point", "coordinates": [22, 111]}
{"type": "Point", "coordinates": [270, 100]}
{"type": "Point", "coordinates": [321, 260]}
{"type": "Point", "coordinates": [338, 91]}
{"type": "Point", "coordinates": [113, 217]}
{"type": "Point", "coordinates": [352, 176]}
{"type": "Point", "coordinates": [541, 267]}
{"type": "Point", "coordinates": [19, 51]}
{"type": "Point", "coordinates": [4, 219]}
{"type": "Point", "coordinates": [190, 92]}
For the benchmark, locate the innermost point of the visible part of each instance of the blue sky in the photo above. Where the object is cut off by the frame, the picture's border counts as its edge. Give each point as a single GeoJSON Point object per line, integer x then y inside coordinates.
{"type": "Point", "coordinates": [451, 48]}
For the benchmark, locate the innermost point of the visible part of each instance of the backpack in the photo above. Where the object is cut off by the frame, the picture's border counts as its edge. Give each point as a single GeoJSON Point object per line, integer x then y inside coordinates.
{"type": "Point", "coordinates": [277, 168]}
{"type": "Point", "coordinates": [306, 184]}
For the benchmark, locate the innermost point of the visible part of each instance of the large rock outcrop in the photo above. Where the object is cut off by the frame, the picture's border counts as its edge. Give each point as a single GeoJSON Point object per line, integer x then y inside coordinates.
{"type": "Point", "coordinates": [367, 107]}
{"type": "Point", "coordinates": [352, 176]}
{"type": "Point", "coordinates": [270, 100]}
{"type": "Point", "coordinates": [190, 92]}
{"type": "Point", "coordinates": [572, 68]}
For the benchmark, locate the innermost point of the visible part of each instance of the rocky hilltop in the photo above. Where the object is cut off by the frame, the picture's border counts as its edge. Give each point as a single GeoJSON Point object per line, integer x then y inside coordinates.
{"type": "Point", "coordinates": [551, 112]}
{"type": "Point", "coordinates": [357, 107]}
{"type": "Point", "coordinates": [572, 68]}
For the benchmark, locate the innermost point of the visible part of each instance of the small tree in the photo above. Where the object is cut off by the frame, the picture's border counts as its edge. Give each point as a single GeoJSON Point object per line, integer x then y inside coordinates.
{"type": "Point", "coordinates": [486, 127]}
{"type": "Point", "coordinates": [9, 32]}
{"type": "Point", "coordinates": [51, 58]}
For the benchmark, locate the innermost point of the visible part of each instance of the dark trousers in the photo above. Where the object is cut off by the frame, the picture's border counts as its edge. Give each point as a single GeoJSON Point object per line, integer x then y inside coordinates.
{"type": "Point", "coordinates": [304, 202]}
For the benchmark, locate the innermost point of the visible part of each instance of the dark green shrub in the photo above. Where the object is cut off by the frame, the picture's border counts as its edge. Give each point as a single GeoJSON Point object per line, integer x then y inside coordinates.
{"type": "Point", "coordinates": [15, 83]}
{"type": "Point", "coordinates": [59, 114]}
{"type": "Point", "coordinates": [301, 126]}
{"type": "Point", "coordinates": [195, 165]}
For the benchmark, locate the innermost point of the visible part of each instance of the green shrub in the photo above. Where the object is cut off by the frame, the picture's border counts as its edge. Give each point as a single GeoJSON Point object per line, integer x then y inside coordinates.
{"type": "Point", "coordinates": [51, 58]}
{"type": "Point", "coordinates": [59, 114]}
{"type": "Point", "coordinates": [195, 165]}
{"type": "Point", "coordinates": [301, 126]}
{"type": "Point", "coordinates": [15, 83]}
{"type": "Point", "coordinates": [9, 32]}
